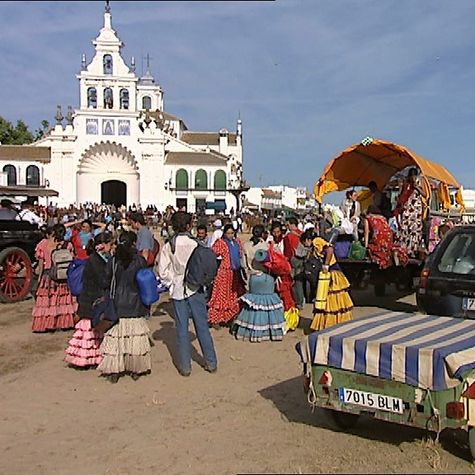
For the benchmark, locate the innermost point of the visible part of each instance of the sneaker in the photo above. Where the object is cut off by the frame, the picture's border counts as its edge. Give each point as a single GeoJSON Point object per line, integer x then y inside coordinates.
{"type": "Point", "coordinates": [211, 369]}
{"type": "Point", "coordinates": [184, 373]}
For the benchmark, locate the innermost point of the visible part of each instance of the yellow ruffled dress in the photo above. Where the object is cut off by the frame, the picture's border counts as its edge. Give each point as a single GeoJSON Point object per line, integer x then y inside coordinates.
{"type": "Point", "coordinates": [339, 306]}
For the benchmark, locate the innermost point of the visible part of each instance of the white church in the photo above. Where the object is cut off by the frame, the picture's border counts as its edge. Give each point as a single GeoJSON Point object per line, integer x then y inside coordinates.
{"type": "Point", "coordinates": [121, 147]}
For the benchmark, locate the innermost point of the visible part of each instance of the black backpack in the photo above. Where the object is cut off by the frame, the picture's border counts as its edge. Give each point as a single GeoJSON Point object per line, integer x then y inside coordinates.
{"type": "Point", "coordinates": [202, 266]}
{"type": "Point", "coordinates": [312, 267]}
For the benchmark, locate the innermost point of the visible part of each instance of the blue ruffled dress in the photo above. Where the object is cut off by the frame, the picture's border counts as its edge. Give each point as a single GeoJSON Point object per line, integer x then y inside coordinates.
{"type": "Point", "coordinates": [262, 314]}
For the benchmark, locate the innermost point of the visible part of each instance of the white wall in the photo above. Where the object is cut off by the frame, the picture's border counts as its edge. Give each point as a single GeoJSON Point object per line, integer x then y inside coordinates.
{"type": "Point", "coordinates": [469, 198]}
{"type": "Point", "coordinates": [254, 196]}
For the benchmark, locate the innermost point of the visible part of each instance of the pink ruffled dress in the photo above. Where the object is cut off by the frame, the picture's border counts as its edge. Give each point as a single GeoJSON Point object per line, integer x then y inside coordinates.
{"type": "Point", "coordinates": [83, 350]}
{"type": "Point", "coordinates": [55, 307]}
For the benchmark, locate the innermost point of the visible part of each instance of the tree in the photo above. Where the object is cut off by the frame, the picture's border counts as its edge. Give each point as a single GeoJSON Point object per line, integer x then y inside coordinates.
{"type": "Point", "coordinates": [42, 131]}
{"type": "Point", "coordinates": [14, 135]}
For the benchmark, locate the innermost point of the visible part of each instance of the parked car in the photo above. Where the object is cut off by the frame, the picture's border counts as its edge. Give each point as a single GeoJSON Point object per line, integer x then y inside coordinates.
{"type": "Point", "coordinates": [447, 282]}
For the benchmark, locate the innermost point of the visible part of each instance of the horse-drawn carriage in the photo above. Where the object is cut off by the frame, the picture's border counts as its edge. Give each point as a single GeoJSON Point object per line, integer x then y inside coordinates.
{"type": "Point", "coordinates": [18, 240]}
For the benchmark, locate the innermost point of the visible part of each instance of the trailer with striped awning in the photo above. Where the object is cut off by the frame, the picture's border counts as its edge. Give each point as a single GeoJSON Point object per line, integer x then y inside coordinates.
{"type": "Point", "coordinates": [411, 369]}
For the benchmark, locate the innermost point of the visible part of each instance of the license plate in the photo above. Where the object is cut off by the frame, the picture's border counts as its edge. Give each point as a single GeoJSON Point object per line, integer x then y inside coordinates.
{"type": "Point", "coordinates": [468, 304]}
{"type": "Point", "coordinates": [380, 402]}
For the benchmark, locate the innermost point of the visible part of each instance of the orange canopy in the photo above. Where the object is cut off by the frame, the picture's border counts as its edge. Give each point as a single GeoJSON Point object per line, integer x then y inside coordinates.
{"type": "Point", "coordinates": [377, 161]}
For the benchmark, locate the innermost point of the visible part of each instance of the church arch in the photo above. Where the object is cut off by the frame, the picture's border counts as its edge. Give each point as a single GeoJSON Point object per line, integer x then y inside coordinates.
{"type": "Point", "coordinates": [181, 179]}
{"type": "Point", "coordinates": [124, 98]}
{"type": "Point", "coordinates": [92, 97]}
{"type": "Point", "coordinates": [114, 192]}
{"type": "Point", "coordinates": [146, 102]}
{"type": "Point", "coordinates": [220, 180]}
{"type": "Point", "coordinates": [32, 176]}
{"type": "Point", "coordinates": [110, 163]}
{"type": "Point", "coordinates": [108, 98]}
{"type": "Point", "coordinates": [107, 64]}
{"type": "Point", "coordinates": [201, 180]}
{"type": "Point", "coordinates": [10, 170]}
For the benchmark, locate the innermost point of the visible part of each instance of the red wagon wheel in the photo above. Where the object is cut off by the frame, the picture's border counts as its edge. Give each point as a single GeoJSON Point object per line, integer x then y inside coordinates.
{"type": "Point", "coordinates": [16, 273]}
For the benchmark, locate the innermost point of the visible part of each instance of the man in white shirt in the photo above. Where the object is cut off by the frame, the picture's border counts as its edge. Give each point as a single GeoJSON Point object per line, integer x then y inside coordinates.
{"type": "Point", "coordinates": [27, 214]}
{"type": "Point", "coordinates": [187, 302]}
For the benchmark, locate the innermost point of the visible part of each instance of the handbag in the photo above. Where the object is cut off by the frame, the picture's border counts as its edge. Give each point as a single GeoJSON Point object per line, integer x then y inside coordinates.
{"type": "Point", "coordinates": [357, 251]}
{"type": "Point", "coordinates": [104, 313]}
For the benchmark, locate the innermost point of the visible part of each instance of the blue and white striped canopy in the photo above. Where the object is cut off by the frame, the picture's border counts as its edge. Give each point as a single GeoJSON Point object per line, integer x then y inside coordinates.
{"type": "Point", "coordinates": [420, 350]}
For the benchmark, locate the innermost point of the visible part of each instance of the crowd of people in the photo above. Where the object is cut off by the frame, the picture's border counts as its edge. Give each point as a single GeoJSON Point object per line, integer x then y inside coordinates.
{"type": "Point", "coordinates": [257, 293]}
{"type": "Point", "coordinates": [391, 232]}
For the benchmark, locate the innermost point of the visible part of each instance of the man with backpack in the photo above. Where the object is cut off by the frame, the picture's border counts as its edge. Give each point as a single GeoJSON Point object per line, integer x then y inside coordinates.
{"type": "Point", "coordinates": [186, 266]}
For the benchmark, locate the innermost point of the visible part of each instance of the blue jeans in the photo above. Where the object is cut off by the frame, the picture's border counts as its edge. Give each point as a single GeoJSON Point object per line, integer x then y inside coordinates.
{"type": "Point", "coordinates": [194, 307]}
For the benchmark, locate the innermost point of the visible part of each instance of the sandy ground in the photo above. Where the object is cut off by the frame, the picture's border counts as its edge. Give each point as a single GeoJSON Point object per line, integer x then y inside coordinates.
{"type": "Point", "coordinates": [250, 417]}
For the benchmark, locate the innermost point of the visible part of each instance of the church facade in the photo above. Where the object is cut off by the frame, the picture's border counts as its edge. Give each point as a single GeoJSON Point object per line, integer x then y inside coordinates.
{"type": "Point", "coordinates": [121, 147]}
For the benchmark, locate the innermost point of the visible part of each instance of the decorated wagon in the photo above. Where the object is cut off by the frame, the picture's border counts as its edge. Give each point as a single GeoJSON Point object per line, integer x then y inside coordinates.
{"type": "Point", "coordinates": [380, 161]}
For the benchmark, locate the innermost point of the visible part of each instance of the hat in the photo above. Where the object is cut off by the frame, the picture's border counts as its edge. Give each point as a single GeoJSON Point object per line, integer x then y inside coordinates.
{"type": "Point", "coordinates": [261, 255]}
{"type": "Point", "coordinates": [217, 223]}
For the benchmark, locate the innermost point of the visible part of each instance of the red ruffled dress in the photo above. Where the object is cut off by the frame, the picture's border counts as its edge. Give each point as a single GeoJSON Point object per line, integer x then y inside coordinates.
{"type": "Point", "coordinates": [382, 246]}
{"type": "Point", "coordinates": [55, 307]}
{"type": "Point", "coordinates": [228, 287]}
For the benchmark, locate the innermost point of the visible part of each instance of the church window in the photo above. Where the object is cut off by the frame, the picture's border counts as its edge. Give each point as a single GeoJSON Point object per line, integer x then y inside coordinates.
{"type": "Point", "coordinates": [33, 176]}
{"type": "Point", "coordinates": [10, 170]}
{"type": "Point", "coordinates": [108, 98]}
{"type": "Point", "coordinates": [107, 127]}
{"type": "Point", "coordinates": [92, 97]}
{"type": "Point", "coordinates": [92, 126]}
{"type": "Point", "coordinates": [146, 102]}
{"type": "Point", "coordinates": [124, 99]}
{"type": "Point", "coordinates": [181, 179]}
{"type": "Point", "coordinates": [107, 63]}
{"type": "Point", "coordinates": [220, 180]}
{"type": "Point", "coordinates": [201, 180]}
{"type": "Point", "coordinates": [124, 127]}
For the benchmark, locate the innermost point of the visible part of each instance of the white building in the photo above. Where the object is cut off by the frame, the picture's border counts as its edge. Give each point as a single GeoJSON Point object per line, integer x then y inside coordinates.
{"type": "Point", "coordinates": [468, 198]}
{"type": "Point", "coordinates": [278, 197]}
{"type": "Point", "coordinates": [293, 198]}
{"type": "Point", "coordinates": [121, 147]}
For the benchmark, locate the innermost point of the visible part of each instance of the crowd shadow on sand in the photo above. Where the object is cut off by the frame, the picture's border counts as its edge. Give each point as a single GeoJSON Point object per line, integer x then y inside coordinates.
{"type": "Point", "coordinates": [166, 334]}
{"type": "Point", "coordinates": [291, 401]}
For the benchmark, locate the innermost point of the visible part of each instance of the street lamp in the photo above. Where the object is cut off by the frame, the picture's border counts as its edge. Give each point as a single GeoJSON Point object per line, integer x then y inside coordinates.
{"type": "Point", "coordinates": [236, 189]}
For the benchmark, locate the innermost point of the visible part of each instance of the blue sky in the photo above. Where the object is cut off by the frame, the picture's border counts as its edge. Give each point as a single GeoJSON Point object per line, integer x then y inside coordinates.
{"type": "Point", "coordinates": [309, 77]}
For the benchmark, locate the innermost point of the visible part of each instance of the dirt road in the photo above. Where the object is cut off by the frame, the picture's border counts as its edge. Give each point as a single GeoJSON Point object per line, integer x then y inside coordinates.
{"type": "Point", "coordinates": [252, 416]}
